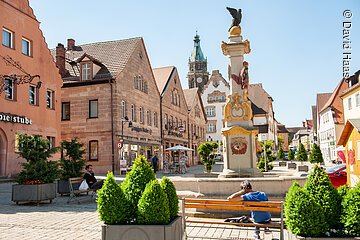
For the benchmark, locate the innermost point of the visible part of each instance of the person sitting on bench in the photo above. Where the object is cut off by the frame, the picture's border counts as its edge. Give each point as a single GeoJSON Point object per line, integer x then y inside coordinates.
{"type": "Point", "coordinates": [247, 194]}
{"type": "Point", "coordinates": [89, 176]}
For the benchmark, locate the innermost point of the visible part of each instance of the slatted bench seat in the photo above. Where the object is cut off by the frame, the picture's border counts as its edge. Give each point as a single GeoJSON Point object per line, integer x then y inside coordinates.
{"type": "Point", "coordinates": [75, 193]}
{"type": "Point", "coordinates": [233, 205]}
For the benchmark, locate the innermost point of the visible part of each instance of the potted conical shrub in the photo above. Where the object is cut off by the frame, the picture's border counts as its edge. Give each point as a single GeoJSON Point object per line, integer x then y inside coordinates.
{"type": "Point", "coordinates": [141, 208]}
{"type": "Point", "coordinates": [71, 163]}
{"type": "Point", "coordinates": [36, 180]}
{"type": "Point", "coordinates": [206, 152]}
{"type": "Point", "coordinates": [291, 156]}
{"type": "Point", "coordinates": [302, 157]}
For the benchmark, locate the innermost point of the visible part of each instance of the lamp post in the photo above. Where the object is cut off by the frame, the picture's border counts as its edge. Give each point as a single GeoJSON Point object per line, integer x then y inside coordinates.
{"type": "Point", "coordinates": [125, 120]}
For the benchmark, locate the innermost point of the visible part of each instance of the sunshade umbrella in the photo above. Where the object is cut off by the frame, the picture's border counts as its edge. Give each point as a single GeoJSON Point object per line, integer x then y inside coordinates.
{"type": "Point", "coordinates": [179, 148]}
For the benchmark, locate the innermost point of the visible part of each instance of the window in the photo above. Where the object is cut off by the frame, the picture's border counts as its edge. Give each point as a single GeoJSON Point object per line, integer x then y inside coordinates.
{"type": "Point", "coordinates": [210, 112]}
{"type": "Point", "coordinates": [216, 98]}
{"type": "Point", "coordinates": [93, 150]}
{"type": "Point", "coordinates": [26, 47]}
{"type": "Point", "coordinates": [166, 121]}
{"type": "Point", "coordinates": [51, 141]}
{"type": "Point", "coordinates": [171, 121]}
{"type": "Point", "coordinates": [33, 95]}
{"type": "Point", "coordinates": [9, 89]}
{"type": "Point", "coordinates": [123, 109]}
{"type": "Point", "coordinates": [211, 128]}
{"type": "Point", "coordinates": [184, 125]}
{"type": "Point", "coordinates": [65, 111]}
{"type": "Point", "coordinates": [349, 103]}
{"type": "Point", "coordinates": [155, 119]}
{"type": "Point", "coordinates": [93, 108]}
{"type": "Point", "coordinates": [50, 99]}
{"type": "Point", "coordinates": [358, 148]}
{"type": "Point", "coordinates": [357, 100]}
{"type": "Point", "coordinates": [7, 38]}
{"type": "Point", "coordinates": [85, 71]}
{"type": "Point", "coordinates": [141, 115]}
{"type": "Point", "coordinates": [148, 113]}
{"type": "Point", "coordinates": [210, 99]}
{"type": "Point", "coordinates": [133, 113]}
{"type": "Point", "coordinates": [222, 98]}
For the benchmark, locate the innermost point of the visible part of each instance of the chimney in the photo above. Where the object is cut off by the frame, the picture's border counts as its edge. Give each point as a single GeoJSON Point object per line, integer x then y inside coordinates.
{"type": "Point", "coordinates": [70, 44]}
{"type": "Point", "coordinates": [60, 58]}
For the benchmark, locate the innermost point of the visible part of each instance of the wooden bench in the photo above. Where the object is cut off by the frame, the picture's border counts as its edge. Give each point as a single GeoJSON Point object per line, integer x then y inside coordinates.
{"type": "Point", "coordinates": [232, 205]}
{"type": "Point", "coordinates": [75, 193]}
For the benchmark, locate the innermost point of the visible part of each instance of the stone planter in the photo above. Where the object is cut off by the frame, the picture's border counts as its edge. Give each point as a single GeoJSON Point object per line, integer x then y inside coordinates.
{"type": "Point", "coordinates": [304, 168]}
{"type": "Point", "coordinates": [282, 163]}
{"type": "Point", "coordinates": [172, 231]}
{"type": "Point", "coordinates": [33, 193]}
{"type": "Point", "coordinates": [63, 187]}
{"type": "Point", "coordinates": [291, 165]}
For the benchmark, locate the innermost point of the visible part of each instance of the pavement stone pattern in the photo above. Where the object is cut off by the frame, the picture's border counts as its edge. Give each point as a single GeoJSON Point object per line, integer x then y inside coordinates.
{"type": "Point", "coordinates": [63, 221]}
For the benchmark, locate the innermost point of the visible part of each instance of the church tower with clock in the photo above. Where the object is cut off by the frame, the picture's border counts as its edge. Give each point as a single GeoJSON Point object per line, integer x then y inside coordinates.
{"type": "Point", "coordinates": [198, 75]}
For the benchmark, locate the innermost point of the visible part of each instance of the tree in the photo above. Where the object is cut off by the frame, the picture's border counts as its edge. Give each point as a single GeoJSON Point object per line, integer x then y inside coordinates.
{"type": "Point", "coordinates": [351, 211]}
{"type": "Point", "coordinates": [316, 155]}
{"type": "Point", "coordinates": [266, 150]}
{"type": "Point", "coordinates": [280, 141]}
{"type": "Point", "coordinates": [72, 160]}
{"type": "Point", "coordinates": [301, 154]}
{"type": "Point", "coordinates": [280, 154]}
{"type": "Point", "coordinates": [206, 151]}
{"type": "Point", "coordinates": [291, 155]}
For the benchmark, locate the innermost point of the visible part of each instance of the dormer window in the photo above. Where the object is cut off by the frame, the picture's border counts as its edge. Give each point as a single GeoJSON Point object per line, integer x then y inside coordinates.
{"type": "Point", "coordinates": [86, 71]}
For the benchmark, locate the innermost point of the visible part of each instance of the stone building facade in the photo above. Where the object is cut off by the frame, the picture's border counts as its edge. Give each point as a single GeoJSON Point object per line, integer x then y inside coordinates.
{"type": "Point", "coordinates": [196, 122]}
{"type": "Point", "coordinates": [110, 101]}
{"type": "Point", "coordinates": [174, 110]}
{"type": "Point", "coordinates": [32, 107]}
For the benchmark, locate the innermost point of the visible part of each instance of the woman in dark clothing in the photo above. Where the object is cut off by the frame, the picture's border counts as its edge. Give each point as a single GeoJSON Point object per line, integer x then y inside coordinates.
{"type": "Point", "coordinates": [89, 176]}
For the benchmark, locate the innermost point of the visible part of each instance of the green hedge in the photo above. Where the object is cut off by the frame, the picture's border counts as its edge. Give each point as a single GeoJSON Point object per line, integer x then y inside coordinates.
{"type": "Point", "coordinates": [351, 211]}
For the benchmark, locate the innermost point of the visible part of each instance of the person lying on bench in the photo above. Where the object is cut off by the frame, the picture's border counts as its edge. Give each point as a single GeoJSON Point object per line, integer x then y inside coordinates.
{"type": "Point", "coordinates": [89, 176]}
{"type": "Point", "coordinates": [247, 194]}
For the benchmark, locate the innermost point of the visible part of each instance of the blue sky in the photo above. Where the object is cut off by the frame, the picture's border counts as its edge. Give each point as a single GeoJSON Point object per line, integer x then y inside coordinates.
{"type": "Point", "coordinates": [297, 46]}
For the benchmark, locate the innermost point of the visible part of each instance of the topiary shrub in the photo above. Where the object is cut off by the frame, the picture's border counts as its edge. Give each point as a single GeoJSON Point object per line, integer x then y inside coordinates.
{"type": "Point", "coordinates": [261, 164]}
{"type": "Point", "coordinates": [303, 215]}
{"type": "Point", "coordinates": [112, 203]}
{"type": "Point", "coordinates": [351, 211]}
{"type": "Point", "coordinates": [135, 182]}
{"type": "Point", "coordinates": [170, 191]}
{"type": "Point", "coordinates": [280, 154]}
{"type": "Point", "coordinates": [291, 155]}
{"type": "Point", "coordinates": [153, 206]}
{"type": "Point", "coordinates": [301, 154]}
{"type": "Point", "coordinates": [316, 155]}
{"type": "Point", "coordinates": [318, 186]}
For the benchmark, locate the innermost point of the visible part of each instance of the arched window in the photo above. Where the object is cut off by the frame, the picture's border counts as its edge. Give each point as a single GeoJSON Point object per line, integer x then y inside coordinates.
{"type": "Point", "coordinates": [148, 114]}
{"type": "Point", "coordinates": [172, 121]}
{"type": "Point", "coordinates": [123, 109]}
{"type": "Point", "coordinates": [133, 113]}
{"type": "Point", "coordinates": [141, 115]}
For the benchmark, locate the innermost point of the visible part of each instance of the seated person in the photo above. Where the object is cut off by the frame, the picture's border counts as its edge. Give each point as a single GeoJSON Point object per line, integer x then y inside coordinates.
{"type": "Point", "coordinates": [247, 194]}
{"type": "Point", "coordinates": [89, 176]}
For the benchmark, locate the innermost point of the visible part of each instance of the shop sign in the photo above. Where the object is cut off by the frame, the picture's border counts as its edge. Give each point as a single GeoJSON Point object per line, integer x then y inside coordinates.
{"type": "Point", "coordinates": [175, 134]}
{"type": "Point", "coordinates": [8, 117]}
{"type": "Point", "coordinates": [141, 129]}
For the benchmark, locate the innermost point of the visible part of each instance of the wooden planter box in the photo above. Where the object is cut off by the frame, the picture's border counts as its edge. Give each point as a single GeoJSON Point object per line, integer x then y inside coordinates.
{"type": "Point", "coordinates": [303, 168]}
{"type": "Point", "coordinates": [63, 187]}
{"type": "Point", "coordinates": [33, 193]}
{"type": "Point", "coordinates": [172, 231]}
{"type": "Point", "coordinates": [282, 163]}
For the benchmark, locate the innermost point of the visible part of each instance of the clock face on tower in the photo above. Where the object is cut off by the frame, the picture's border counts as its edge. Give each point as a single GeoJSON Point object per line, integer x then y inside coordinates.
{"type": "Point", "coordinates": [199, 79]}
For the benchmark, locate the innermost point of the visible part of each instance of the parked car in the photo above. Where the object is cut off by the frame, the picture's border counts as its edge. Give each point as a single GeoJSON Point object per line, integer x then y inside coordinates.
{"type": "Point", "coordinates": [337, 175]}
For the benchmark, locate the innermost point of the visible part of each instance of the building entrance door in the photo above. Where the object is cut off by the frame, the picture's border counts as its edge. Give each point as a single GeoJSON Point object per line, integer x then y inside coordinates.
{"type": "Point", "coordinates": [3, 144]}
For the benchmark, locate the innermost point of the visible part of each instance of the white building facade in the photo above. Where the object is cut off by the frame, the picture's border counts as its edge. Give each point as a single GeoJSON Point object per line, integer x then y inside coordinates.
{"type": "Point", "coordinates": [214, 99]}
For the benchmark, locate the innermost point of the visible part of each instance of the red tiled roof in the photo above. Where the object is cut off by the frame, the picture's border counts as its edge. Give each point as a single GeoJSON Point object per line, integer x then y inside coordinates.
{"type": "Point", "coordinates": [335, 102]}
